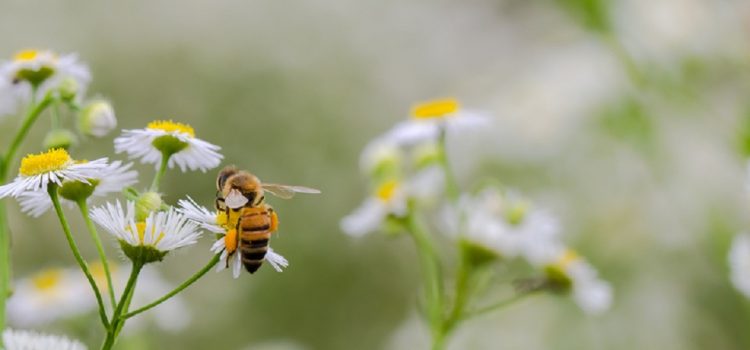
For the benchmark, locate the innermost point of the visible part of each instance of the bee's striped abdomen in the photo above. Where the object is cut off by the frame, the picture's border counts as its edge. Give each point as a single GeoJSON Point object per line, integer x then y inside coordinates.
{"type": "Point", "coordinates": [255, 227]}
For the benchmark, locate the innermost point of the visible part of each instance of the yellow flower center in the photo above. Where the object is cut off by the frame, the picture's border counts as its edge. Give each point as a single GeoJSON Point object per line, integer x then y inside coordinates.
{"type": "Point", "coordinates": [170, 126]}
{"type": "Point", "coordinates": [435, 109]}
{"type": "Point", "coordinates": [141, 226]}
{"type": "Point", "coordinates": [26, 55]}
{"type": "Point", "coordinates": [567, 258]}
{"type": "Point", "coordinates": [47, 280]}
{"type": "Point", "coordinates": [52, 160]}
{"type": "Point", "coordinates": [387, 190]}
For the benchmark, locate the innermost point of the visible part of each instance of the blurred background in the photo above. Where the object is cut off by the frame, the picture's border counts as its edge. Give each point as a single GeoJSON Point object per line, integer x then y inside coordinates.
{"type": "Point", "coordinates": [628, 118]}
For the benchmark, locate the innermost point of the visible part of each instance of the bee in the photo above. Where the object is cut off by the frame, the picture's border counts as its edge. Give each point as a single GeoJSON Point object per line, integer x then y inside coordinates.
{"type": "Point", "coordinates": [241, 196]}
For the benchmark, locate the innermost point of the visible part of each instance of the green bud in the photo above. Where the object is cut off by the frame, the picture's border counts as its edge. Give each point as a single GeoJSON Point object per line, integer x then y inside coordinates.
{"type": "Point", "coordinates": [97, 118]}
{"type": "Point", "coordinates": [477, 255]}
{"type": "Point", "coordinates": [142, 254]}
{"type": "Point", "coordinates": [426, 155]}
{"type": "Point", "coordinates": [146, 203]}
{"type": "Point", "coordinates": [77, 191]}
{"type": "Point", "coordinates": [516, 212]}
{"type": "Point", "coordinates": [557, 279]}
{"type": "Point", "coordinates": [68, 89]}
{"type": "Point", "coordinates": [60, 138]}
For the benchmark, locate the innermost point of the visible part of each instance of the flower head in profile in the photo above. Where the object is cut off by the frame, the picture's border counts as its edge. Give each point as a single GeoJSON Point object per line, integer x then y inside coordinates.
{"type": "Point", "coordinates": [149, 240]}
{"type": "Point", "coordinates": [56, 166]}
{"type": "Point", "coordinates": [44, 70]}
{"type": "Point", "coordinates": [389, 199]}
{"type": "Point", "coordinates": [429, 119]}
{"type": "Point", "coordinates": [112, 178]}
{"type": "Point", "coordinates": [49, 295]}
{"type": "Point", "coordinates": [227, 239]}
{"type": "Point", "coordinates": [174, 140]}
{"type": "Point", "coordinates": [739, 264]}
{"type": "Point", "coordinates": [29, 340]}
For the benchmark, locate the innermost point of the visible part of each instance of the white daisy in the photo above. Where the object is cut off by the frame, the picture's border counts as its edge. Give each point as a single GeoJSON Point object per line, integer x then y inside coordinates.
{"type": "Point", "coordinates": [739, 263]}
{"type": "Point", "coordinates": [389, 199]}
{"type": "Point", "coordinates": [48, 296]}
{"type": "Point", "coordinates": [163, 231]}
{"type": "Point", "coordinates": [177, 139]}
{"type": "Point", "coordinates": [381, 155]}
{"type": "Point", "coordinates": [110, 179]}
{"type": "Point", "coordinates": [567, 271]}
{"type": "Point", "coordinates": [427, 120]}
{"type": "Point", "coordinates": [54, 166]}
{"type": "Point", "coordinates": [29, 340]}
{"type": "Point", "coordinates": [226, 244]}
{"type": "Point", "coordinates": [43, 68]}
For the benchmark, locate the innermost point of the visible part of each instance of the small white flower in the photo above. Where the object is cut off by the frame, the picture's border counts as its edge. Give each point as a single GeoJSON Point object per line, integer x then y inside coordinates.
{"type": "Point", "coordinates": [389, 199]}
{"type": "Point", "coordinates": [164, 230]}
{"type": "Point", "coordinates": [48, 296]}
{"type": "Point", "coordinates": [177, 139]}
{"type": "Point", "coordinates": [430, 117]}
{"type": "Point", "coordinates": [110, 179]}
{"type": "Point", "coordinates": [739, 263]}
{"type": "Point", "coordinates": [45, 69]}
{"type": "Point", "coordinates": [97, 118]}
{"type": "Point", "coordinates": [54, 166]}
{"type": "Point", "coordinates": [29, 340]}
{"type": "Point", "coordinates": [379, 153]}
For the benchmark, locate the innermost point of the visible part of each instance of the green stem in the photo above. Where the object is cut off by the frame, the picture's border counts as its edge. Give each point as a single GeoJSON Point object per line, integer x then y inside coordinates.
{"type": "Point", "coordinates": [462, 296]}
{"type": "Point", "coordinates": [181, 287]}
{"type": "Point", "coordinates": [451, 185]}
{"type": "Point", "coordinates": [432, 278]}
{"type": "Point", "coordinates": [117, 321]}
{"type": "Point", "coordinates": [83, 206]}
{"type": "Point", "coordinates": [499, 305]}
{"type": "Point", "coordinates": [28, 121]}
{"type": "Point", "coordinates": [52, 190]}
{"type": "Point", "coordinates": [160, 173]}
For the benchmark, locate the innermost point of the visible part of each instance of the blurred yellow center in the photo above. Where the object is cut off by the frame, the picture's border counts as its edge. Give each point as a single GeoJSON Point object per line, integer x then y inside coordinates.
{"type": "Point", "coordinates": [100, 276]}
{"type": "Point", "coordinates": [52, 160]}
{"type": "Point", "coordinates": [568, 257]}
{"type": "Point", "coordinates": [435, 109]}
{"type": "Point", "coordinates": [26, 55]}
{"type": "Point", "coordinates": [387, 190]}
{"type": "Point", "coordinates": [47, 279]}
{"type": "Point", "coordinates": [170, 126]}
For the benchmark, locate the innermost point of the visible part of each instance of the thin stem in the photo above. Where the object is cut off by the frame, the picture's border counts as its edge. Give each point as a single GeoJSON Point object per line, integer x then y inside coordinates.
{"type": "Point", "coordinates": [55, 120]}
{"type": "Point", "coordinates": [499, 305]}
{"type": "Point", "coordinates": [462, 295]}
{"type": "Point", "coordinates": [432, 278]}
{"type": "Point", "coordinates": [83, 206]}
{"type": "Point", "coordinates": [113, 331]}
{"type": "Point", "coordinates": [179, 289]}
{"type": "Point", "coordinates": [52, 190]}
{"type": "Point", "coordinates": [451, 185]}
{"type": "Point", "coordinates": [160, 173]}
{"type": "Point", "coordinates": [28, 121]}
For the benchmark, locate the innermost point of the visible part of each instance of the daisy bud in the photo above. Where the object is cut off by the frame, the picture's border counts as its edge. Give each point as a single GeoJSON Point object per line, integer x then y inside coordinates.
{"type": "Point", "coordinates": [60, 138]}
{"type": "Point", "coordinates": [145, 204]}
{"type": "Point", "coordinates": [476, 255]}
{"type": "Point", "coordinates": [68, 89]}
{"type": "Point", "coordinates": [76, 191]}
{"type": "Point", "coordinates": [97, 118]}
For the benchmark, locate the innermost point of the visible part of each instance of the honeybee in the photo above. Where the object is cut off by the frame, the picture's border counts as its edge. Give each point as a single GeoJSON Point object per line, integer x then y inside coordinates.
{"type": "Point", "coordinates": [241, 196]}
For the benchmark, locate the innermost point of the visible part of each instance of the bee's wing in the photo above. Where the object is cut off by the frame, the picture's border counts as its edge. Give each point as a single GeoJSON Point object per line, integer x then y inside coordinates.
{"type": "Point", "coordinates": [235, 199]}
{"type": "Point", "coordinates": [286, 191]}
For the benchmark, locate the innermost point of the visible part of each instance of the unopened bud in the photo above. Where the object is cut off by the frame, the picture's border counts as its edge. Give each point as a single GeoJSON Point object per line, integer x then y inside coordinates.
{"type": "Point", "coordinates": [68, 89]}
{"type": "Point", "coordinates": [146, 203]}
{"type": "Point", "coordinates": [60, 138]}
{"type": "Point", "coordinates": [97, 118]}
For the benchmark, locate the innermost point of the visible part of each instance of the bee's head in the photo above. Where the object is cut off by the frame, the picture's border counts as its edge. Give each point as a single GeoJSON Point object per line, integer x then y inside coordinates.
{"type": "Point", "coordinates": [242, 184]}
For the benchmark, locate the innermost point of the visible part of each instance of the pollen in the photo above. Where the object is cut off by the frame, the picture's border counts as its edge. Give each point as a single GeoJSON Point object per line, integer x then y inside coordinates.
{"type": "Point", "coordinates": [170, 126]}
{"type": "Point", "coordinates": [230, 241]}
{"type": "Point", "coordinates": [435, 109]}
{"type": "Point", "coordinates": [48, 279]}
{"type": "Point", "coordinates": [45, 162]}
{"type": "Point", "coordinates": [26, 55]}
{"type": "Point", "coordinates": [387, 190]}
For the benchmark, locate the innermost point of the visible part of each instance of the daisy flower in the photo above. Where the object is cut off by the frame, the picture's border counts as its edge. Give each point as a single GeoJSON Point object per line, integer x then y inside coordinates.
{"type": "Point", "coordinates": [566, 271]}
{"type": "Point", "coordinates": [429, 118]}
{"type": "Point", "coordinates": [151, 239]}
{"type": "Point", "coordinates": [389, 199]}
{"type": "Point", "coordinates": [739, 264]}
{"type": "Point", "coordinates": [37, 171]}
{"type": "Point", "coordinates": [29, 340]}
{"type": "Point", "coordinates": [48, 296]}
{"type": "Point", "coordinates": [44, 69]}
{"type": "Point", "coordinates": [110, 179]}
{"type": "Point", "coordinates": [175, 140]}
{"type": "Point", "coordinates": [227, 241]}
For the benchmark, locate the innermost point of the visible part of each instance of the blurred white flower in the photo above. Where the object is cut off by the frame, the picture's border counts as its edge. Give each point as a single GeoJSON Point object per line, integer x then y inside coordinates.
{"type": "Point", "coordinates": [54, 166]}
{"type": "Point", "coordinates": [175, 139]}
{"type": "Point", "coordinates": [427, 120]}
{"type": "Point", "coordinates": [389, 199]}
{"type": "Point", "coordinates": [45, 69]}
{"type": "Point", "coordinates": [110, 179]}
{"type": "Point", "coordinates": [163, 231]}
{"type": "Point", "coordinates": [739, 263]}
{"type": "Point", "coordinates": [49, 295]}
{"type": "Point", "coordinates": [97, 118]}
{"type": "Point", "coordinates": [29, 340]}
